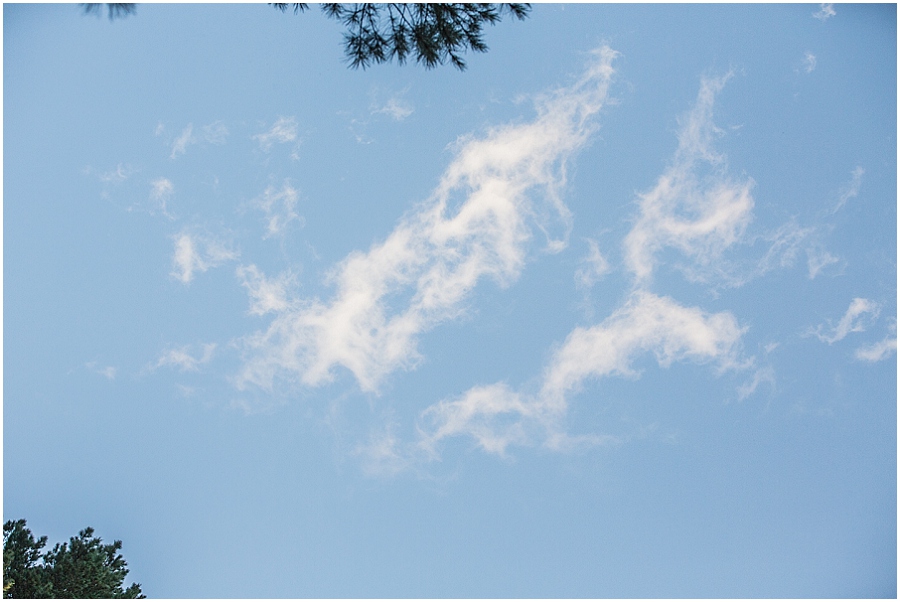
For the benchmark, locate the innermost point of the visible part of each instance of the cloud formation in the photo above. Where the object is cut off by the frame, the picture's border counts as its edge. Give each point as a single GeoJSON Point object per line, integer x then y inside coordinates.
{"type": "Point", "coordinates": [497, 416]}
{"type": "Point", "coordinates": [825, 12]}
{"type": "Point", "coordinates": [179, 147]}
{"type": "Point", "coordinates": [851, 190]}
{"type": "Point", "coordinates": [215, 132]}
{"type": "Point", "coordinates": [266, 295]}
{"type": "Point", "coordinates": [161, 191]}
{"type": "Point", "coordinates": [880, 350]}
{"type": "Point", "coordinates": [699, 216]}
{"type": "Point", "coordinates": [593, 267]}
{"type": "Point", "coordinates": [857, 317]}
{"type": "Point", "coordinates": [396, 108]}
{"type": "Point", "coordinates": [477, 224]}
{"type": "Point", "coordinates": [279, 207]}
{"type": "Point", "coordinates": [197, 253]}
{"type": "Point", "coordinates": [762, 375]}
{"type": "Point", "coordinates": [809, 62]}
{"type": "Point", "coordinates": [119, 174]}
{"type": "Point", "coordinates": [284, 130]}
{"type": "Point", "coordinates": [108, 371]}
{"type": "Point", "coordinates": [181, 358]}
{"type": "Point", "coordinates": [818, 259]}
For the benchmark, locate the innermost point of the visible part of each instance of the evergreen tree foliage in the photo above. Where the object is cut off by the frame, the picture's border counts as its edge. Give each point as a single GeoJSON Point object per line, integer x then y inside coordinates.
{"type": "Point", "coordinates": [83, 568]}
{"type": "Point", "coordinates": [433, 34]}
{"type": "Point", "coordinates": [23, 570]}
{"type": "Point", "coordinates": [115, 9]}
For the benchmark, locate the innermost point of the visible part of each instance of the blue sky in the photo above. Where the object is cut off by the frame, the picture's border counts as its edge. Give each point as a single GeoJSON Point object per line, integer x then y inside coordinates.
{"type": "Point", "coordinates": [612, 313]}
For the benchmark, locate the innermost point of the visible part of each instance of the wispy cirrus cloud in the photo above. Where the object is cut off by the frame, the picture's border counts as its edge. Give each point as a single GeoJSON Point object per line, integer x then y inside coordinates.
{"type": "Point", "coordinates": [197, 253]}
{"type": "Point", "coordinates": [161, 191]}
{"type": "Point", "coordinates": [279, 207]}
{"type": "Point", "coordinates": [107, 371]}
{"type": "Point", "coordinates": [699, 216]}
{"type": "Point", "coordinates": [856, 319]}
{"type": "Point", "coordinates": [282, 131]}
{"type": "Point", "coordinates": [881, 350]}
{"type": "Point", "coordinates": [593, 266]}
{"type": "Point", "coordinates": [215, 132]}
{"type": "Point", "coordinates": [790, 239]}
{"type": "Point", "coordinates": [817, 259]}
{"type": "Point", "coordinates": [179, 147]}
{"type": "Point", "coordinates": [121, 173]}
{"type": "Point", "coordinates": [396, 107]}
{"type": "Point", "coordinates": [267, 295]}
{"type": "Point", "coordinates": [183, 359]}
{"type": "Point", "coordinates": [809, 62]}
{"type": "Point", "coordinates": [496, 416]}
{"type": "Point", "coordinates": [825, 12]}
{"type": "Point", "coordinates": [762, 375]}
{"type": "Point", "coordinates": [851, 189]}
{"type": "Point", "coordinates": [477, 224]}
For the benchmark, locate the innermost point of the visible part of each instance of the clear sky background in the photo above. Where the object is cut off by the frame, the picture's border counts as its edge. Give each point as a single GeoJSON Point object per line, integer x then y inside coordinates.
{"type": "Point", "coordinates": [610, 314]}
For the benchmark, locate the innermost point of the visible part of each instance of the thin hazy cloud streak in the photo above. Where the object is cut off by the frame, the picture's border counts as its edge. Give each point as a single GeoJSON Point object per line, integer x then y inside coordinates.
{"type": "Point", "coordinates": [497, 416]}
{"type": "Point", "coordinates": [702, 221]}
{"type": "Point", "coordinates": [197, 253]}
{"type": "Point", "coordinates": [855, 319]}
{"type": "Point", "coordinates": [699, 216]}
{"type": "Point", "coordinates": [477, 224]}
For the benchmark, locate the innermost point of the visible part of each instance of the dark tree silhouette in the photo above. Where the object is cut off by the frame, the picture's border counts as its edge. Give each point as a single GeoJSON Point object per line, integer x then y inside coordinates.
{"type": "Point", "coordinates": [83, 568]}
{"type": "Point", "coordinates": [433, 34]}
{"type": "Point", "coordinates": [115, 10]}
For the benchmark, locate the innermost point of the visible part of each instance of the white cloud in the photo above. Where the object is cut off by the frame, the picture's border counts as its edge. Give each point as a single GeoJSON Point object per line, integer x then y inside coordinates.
{"type": "Point", "coordinates": [215, 132]}
{"type": "Point", "coordinates": [856, 319]}
{"type": "Point", "coordinates": [396, 108]}
{"type": "Point", "coordinates": [181, 358]}
{"type": "Point", "coordinates": [384, 454]}
{"type": "Point", "coordinates": [284, 130]}
{"type": "Point", "coordinates": [279, 207]}
{"type": "Point", "coordinates": [197, 253]}
{"type": "Point", "coordinates": [646, 323]}
{"type": "Point", "coordinates": [818, 259]}
{"type": "Point", "coordinates": [393, 104]}
{"type": "Point", "coordinates": [267, 295]}
{"type": "Point", "coordinates": [593, 267]}
{"type": "Point", "coordinates": [119, 174]}
{"type": "Point", "coordinates": [161, 191]}
{"type": "Point", "coordinates": [108, 371]}
{"type": "Point", "coordinates": [179, 147]}
{"type": "Point", "coordinates": [762, 375]}
{"type": "Point", "coordinates": [476, 225]}
{"type": "Point", "coordinates": [497, 416]}
{"type": "Point", "coordinates": [825, 11]}
{"type": "Point", "coordinates": [809, 62]}
{"type": "Point", "coordinates": [877, 351]}
{"type": "Point", "coordinates": [851, 190]}
{"type": "Point", "coordinates": [785, 243]}
{"type": "Point", "coordinates": [494, 415]}
{"type": "Point", "coordinates": [700, 217]}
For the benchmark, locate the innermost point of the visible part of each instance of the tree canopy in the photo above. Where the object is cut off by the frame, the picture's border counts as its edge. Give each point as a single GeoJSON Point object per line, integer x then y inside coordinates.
{"type": "Point", "coordinates": [433, 34]}
{"type": "Point", "coordinates": [84, 567]}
